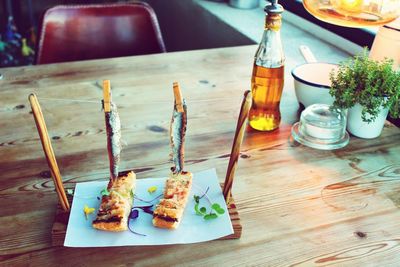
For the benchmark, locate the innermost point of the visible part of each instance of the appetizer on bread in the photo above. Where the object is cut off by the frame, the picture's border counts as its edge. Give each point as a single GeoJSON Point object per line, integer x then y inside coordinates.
{"type": "Point", "coordinates": [116, 206]}
{"type": "Point", "coordinates": [168, 213]}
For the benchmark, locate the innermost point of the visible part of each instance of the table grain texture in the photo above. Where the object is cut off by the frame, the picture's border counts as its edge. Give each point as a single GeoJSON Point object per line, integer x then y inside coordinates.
{"type": "Point", "coordinates": [298, 206]}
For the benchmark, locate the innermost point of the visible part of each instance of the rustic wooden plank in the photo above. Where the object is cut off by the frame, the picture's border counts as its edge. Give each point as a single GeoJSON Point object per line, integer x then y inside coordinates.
{"type": "Point", "coordinates": [321, 244]}
{"type": "Point", "coordinates": [298, 206]}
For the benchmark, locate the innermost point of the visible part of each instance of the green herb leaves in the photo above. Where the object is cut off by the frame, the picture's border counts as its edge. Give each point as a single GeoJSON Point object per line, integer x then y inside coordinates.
{"type": "Point", "coordinates": [132, 194]}
{"type": "Point", "coordinates": [217, 208]}
{"type": "Point", "coordinates": [198, 211]}
{"type": "Point", "coordinates": [196, 199]}
{"type": "Point", "coordinates": [210, 216]}
{"type": "Point", "coordinates": [203, 210]}
{"type": "Point", "coordinates": [214, 211]}
{"type": "Point", "coordinates": [105, 192]}
{"type": "Point", "coordinates": [372, 84]}
{"type": "Point", "coordinates": [70, 192]}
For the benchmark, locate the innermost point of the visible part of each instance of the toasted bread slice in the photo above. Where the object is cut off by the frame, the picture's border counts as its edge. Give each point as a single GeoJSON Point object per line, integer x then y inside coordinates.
{"type": "Point", "coordinates": [169, 211]}
{"type": "Point", "coordinates": [115, 208]}
{"type": "Point", "coordinates": [162, 223]}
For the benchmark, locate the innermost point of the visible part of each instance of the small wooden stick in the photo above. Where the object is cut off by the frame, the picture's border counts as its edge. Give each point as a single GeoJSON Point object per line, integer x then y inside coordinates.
{"type": "Point", "coordinates": [112, 144]}
{"type": "Point", "coordinates": [107, 95]}
{"type": "Point", "coordinates": [48, 151]}
{"type": "Point", "coordinates": [178, 97]}
{"type": "Point", "coordinates": [237, 142]}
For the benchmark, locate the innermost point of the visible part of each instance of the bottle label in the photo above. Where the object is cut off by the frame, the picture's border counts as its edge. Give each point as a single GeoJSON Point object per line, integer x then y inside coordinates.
{"type": "Point", "coordinates": [273, 22]}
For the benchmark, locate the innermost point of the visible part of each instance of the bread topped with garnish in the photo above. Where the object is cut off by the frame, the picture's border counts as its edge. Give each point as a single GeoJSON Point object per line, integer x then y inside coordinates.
{"type": "Point", "coordinates": [168, 213]}
{"type": "Point", "coordinates": [116, 204]}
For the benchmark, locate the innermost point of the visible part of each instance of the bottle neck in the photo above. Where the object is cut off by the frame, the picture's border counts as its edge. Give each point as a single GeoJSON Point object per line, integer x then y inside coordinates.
{"type": "Point", "coordinates": [270, 51]}
{"type": "Point", "coordinates": [273, 22]}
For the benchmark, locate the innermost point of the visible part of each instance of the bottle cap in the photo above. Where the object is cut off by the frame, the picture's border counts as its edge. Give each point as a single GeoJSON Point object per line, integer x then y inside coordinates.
{"type": "Point", "coordinates": [273, 8]}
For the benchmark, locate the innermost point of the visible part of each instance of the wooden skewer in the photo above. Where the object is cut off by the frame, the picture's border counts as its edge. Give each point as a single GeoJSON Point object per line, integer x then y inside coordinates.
{"type": "Point", "coordinates": [48, 151]}
{"type": "Point", "coordinates": [107, 95]}
{"type": "Point", "coordinates": [237, 142]}
{"type": "Point", "coordinates": [178, 97]}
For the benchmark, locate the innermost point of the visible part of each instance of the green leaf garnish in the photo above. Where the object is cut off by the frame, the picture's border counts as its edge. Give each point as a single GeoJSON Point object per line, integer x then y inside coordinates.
{"type": "Point", "coordinates": [210, 216]}
{"type": "Point", "coordinates": [215, 206]}
{"type": "Point", "coordinates": [220, 211]}
{"type": "Point", "coordinates": [196, 208]}
{"type": "Point", "coordinates": [70, 192]}
{"type": "Point", "coordinates": [203, 210]}
{"type": "Point", "coordinates": [105, 192]}
{"type": "Point", "coordinates": [218, 208]}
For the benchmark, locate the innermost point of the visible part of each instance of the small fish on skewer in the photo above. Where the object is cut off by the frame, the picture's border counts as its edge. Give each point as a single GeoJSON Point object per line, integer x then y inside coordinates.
{"type": "Point", "coordinates": [177, 138]}
{"type": "Point", "coordinates": [169, 211]}
{"type": "Point", "coordinates": [116, 204]}
{"type": "Point", "coordinates": [113, 128]}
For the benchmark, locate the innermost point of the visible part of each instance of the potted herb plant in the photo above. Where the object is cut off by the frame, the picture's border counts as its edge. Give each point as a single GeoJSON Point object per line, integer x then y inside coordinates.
{"type": "Point", "coordinates": [369, 90]}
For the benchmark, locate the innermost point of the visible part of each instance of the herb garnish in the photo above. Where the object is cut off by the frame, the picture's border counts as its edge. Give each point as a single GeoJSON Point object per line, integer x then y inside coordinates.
{"type": "Point", "coordinates": [135, 214]}
{"type": "Point", "coordinates": [105, 192]}
{"type": "Point", "coordinates": [70, 192]}
{"type": "Point", "coordinates": [152, 189]}
{"type": "Point", "coordinates": [132, 193]}
{"type": "Point", "coordinates": [149, 201]}
{"type": "Point", "coordinates": [146, 209]}
{"type": "Point", "coordinates": [87, 211]}
{"type": "Point", "coordinates": [202, 211]}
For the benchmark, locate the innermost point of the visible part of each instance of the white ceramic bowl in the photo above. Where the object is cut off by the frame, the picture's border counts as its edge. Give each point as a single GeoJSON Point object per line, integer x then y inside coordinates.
{"type": "Point", "coordinates": [311, 83]}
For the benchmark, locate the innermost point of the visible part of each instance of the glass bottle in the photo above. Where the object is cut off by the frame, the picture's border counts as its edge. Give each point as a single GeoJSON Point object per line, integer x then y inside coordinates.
{"type": "Point", "coordinates": [268, 73]}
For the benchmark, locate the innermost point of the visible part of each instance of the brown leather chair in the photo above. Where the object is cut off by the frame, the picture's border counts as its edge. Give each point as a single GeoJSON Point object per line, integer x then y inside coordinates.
{"type": "Point", "coordinates": [82, 32]}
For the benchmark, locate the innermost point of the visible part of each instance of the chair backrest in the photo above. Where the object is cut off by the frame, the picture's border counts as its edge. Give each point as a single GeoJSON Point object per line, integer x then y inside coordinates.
{"type": "Point", "coordinates": [82, 32]}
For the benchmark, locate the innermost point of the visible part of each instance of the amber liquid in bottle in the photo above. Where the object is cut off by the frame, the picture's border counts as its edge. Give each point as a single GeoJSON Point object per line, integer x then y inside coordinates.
{"type": "Point", "coordinates": [267, 85]}
{"type": "Point", "coordinates": [268, 74]}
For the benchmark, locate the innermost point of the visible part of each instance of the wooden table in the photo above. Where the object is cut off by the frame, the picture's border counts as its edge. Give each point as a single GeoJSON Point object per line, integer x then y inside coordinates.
{"type": "Point", "coordinates": [298, 206]}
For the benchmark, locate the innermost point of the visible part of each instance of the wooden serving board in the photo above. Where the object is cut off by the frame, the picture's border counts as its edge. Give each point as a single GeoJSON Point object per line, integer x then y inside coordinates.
{"type": "Point", "coordinates": [59, 228]}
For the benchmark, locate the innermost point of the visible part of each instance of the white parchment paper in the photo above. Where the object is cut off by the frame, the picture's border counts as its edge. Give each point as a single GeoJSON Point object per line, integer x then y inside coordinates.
{"type": "Point", "coordinates": [192, 229]}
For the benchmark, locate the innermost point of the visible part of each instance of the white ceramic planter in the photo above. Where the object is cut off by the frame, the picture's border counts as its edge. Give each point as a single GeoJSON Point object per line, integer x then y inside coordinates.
{"type": "Point", "coordinates": [359, 128]}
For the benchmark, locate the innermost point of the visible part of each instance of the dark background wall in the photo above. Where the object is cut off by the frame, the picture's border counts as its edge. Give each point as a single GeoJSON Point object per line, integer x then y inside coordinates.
{"type": "Point", "coordinates": [184, 24]}
{"type": "Point", "coordinates": [20, 10]}
{"type": "Point", "coordinates": [187, 26]}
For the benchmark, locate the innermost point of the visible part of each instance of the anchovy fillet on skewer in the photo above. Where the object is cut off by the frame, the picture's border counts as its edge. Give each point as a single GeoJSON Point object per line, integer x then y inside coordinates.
{"type": "Point", "coordinates": [116, 205]}
{"type": "Point", "coordinates": [177, 137]}
{"type": "Point", "coordinates": [113, 127]}
{"type": "Point", "coordinates": [169, 212]}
